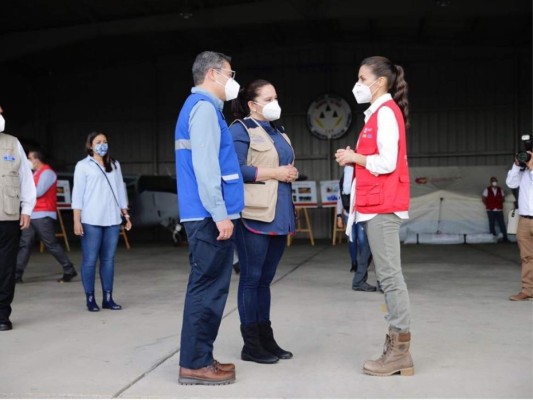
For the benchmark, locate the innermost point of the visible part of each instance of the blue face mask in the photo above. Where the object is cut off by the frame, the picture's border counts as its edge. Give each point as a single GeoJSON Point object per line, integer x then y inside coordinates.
{"type": "Point", "coordinates": [101, 149]}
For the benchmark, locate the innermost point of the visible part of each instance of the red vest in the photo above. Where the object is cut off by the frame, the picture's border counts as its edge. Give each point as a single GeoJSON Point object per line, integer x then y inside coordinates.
{"type": "Point", "coordinates": [48, 201]}
{"type": "Point", "coordinates": [386, 193]}
{"type": "Point", "coordinates": [494, 201]}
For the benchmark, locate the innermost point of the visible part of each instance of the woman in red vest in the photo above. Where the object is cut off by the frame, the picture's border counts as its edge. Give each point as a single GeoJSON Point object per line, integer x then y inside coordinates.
{"type": "Point", "coordinates": [382, 198]}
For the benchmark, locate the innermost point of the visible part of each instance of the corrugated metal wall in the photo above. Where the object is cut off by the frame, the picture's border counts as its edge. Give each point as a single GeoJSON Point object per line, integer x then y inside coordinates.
{"type": "Point", "coordinates": [468, 106]}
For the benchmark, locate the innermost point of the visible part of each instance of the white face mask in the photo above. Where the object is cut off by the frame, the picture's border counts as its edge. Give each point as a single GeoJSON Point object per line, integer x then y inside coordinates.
{"type": "Point", "coordinates": [494, 183]}
{"type": "Point", "coordinates": [271, 111]}
{"type": "Point", "coordinates": [362, 93]}
{"type": "Point", "coordinates": [231, 88]}
{"type": "Point", "coordinates": [2, 123]}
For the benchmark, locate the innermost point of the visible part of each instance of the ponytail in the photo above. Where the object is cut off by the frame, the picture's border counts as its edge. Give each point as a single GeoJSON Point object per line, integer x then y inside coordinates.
{"type": "Point", "coordinates": [239, 106]}
{"type": "Point", "coordinates": [400, 91]}
{"type": "Point", "coordinates": [395, 76]}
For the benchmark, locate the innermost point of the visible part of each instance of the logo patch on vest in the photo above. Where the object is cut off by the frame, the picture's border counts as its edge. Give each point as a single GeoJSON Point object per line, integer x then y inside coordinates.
{"type": "Point", "coordinates": [367, 133]}
{"type": "Point", "coordinates": [258, 139]}
{"type": "Point", "coordinates": [9, 157]}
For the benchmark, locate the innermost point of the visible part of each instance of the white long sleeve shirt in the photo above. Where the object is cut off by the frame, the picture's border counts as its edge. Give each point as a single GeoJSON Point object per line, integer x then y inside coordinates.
{"type": "Point", "coordinates": [524, 180]}
{"type": "Point", "coordinates": [95, 196]}
{"type": "Point", "coordinates": [28, 194]}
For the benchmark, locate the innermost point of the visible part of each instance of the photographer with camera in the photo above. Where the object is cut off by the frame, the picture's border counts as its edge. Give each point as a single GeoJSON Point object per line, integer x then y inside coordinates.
{"type": "Point", "coordinates": [521, 176]}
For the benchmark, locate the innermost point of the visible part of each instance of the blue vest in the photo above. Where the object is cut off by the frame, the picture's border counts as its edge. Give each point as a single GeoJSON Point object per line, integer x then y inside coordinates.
{"type": "Point", "coordinates": [189, 203]}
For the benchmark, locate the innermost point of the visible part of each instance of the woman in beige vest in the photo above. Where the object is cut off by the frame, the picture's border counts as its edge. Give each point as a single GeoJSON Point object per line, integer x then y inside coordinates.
{"type": "Point", "coordinates": [266, 158]}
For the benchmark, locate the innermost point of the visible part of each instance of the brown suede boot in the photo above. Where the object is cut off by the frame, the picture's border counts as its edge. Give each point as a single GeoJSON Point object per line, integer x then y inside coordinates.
{"type": "Point", "coordinates": [395, 358]}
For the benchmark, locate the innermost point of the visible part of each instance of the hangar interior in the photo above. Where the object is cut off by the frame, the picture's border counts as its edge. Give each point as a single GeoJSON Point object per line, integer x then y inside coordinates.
{"type": "Point", "coordinates": [124, 67]}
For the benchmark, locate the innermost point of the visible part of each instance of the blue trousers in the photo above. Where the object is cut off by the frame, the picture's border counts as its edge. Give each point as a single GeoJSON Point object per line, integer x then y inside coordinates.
{"type": "Point", "coordinates": [360, 251]}
{"type": "Point", "coordinates": [209, 279]}
{"type": "Point", "coordinates": [98, 242]}
{"type": "Point", "coordinates": [259, 256]}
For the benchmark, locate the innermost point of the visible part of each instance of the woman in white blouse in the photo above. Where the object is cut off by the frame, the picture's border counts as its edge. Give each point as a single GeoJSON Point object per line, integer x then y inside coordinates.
{"type": "Point", "coordinates": [98, 201]}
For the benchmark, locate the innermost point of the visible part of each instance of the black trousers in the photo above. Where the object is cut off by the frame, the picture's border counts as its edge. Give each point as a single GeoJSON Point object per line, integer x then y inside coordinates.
{"type": "Point", "coordinates": [9, 244]}
{"type": "Point", "coordinates": [497, 217]}
{"type": "Point", "coordinates": [45, 230]}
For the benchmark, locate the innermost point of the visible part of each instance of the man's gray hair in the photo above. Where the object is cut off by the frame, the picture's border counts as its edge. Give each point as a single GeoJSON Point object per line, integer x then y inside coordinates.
{"type": "Point", "coordinates": [205, 61]}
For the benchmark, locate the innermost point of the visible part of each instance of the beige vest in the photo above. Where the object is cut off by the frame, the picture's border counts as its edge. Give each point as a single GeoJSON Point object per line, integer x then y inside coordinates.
{"type": "Point", "coordinates": [260, 198]}
{"type": "Point", "coordinates": [9, 178]}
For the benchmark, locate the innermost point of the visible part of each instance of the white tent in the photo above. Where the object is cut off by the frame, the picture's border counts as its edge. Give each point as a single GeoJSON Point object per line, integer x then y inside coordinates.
{"type": "Point", "coordinates": [446, 204]}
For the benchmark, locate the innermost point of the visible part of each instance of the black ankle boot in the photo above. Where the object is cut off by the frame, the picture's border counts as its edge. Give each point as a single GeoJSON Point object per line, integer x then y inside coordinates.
{"type": "Point", "coordinates": [109, 303]}
{"type": "Point", "coordinates": [91, 303]}
{"type": "Point", "coordinates": [252, 349]}
{"type": "Point", "coordinates": [266, 336]}
{"type": "Point", "coordinates": [67, 277]}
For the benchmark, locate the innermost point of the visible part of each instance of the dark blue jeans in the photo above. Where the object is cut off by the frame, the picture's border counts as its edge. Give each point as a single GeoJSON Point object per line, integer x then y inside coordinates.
{"type": "Point", "coordinates": [98, 242]}
{"type": "Point", "coordinates": [259, 256]}
{"type": "Point", "coordinates": [209, 279]}
{"type": "Point", "coordinates": [497, 216]}
{"type": "Point", "coordinates": [360, 251]}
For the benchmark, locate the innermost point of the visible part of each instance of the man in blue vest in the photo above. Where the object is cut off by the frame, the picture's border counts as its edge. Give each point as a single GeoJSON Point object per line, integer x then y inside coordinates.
{"type": "Point", "coordinates": [210, 196]}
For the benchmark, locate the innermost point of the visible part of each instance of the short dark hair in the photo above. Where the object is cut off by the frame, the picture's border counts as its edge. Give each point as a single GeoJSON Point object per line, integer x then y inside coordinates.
{"type": "Point", "coordinates": [37, 153]}
{"type": "Point", "coordinates": [205, 61]}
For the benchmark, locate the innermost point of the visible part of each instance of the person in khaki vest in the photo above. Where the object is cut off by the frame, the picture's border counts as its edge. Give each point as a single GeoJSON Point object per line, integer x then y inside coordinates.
{"type": "Point", "coordinates": [17, 199]}
{"type": "Point", "coordinates": [266, 158]}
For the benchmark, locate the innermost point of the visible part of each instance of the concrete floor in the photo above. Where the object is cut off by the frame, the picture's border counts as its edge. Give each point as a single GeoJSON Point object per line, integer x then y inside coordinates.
{"type": "Point", "coordinates": [468, 340]}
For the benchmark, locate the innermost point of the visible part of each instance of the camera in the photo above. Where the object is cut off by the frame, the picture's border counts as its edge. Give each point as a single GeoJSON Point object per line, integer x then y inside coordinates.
{"type": "Point", "coordinates": [523, 156]}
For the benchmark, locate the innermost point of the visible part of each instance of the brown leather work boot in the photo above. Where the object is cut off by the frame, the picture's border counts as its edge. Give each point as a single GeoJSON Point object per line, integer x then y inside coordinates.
{"type": "Point", "coordinates": [210, 375]}
{"type": "Point", "coordinates": [520, 297]}
{"type": "Point", "coordinates": [395, 358]}
{"type": "Point", "coordinates": [223, 366]}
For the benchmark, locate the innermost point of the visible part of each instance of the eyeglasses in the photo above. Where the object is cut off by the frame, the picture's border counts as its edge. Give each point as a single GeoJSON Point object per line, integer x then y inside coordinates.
{"type": "Point", "coordinates": [231, 75]}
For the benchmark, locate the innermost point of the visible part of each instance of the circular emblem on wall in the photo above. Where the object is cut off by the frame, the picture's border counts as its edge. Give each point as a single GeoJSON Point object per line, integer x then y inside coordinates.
{"type": "Point", "coordinates": [329, 117]}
